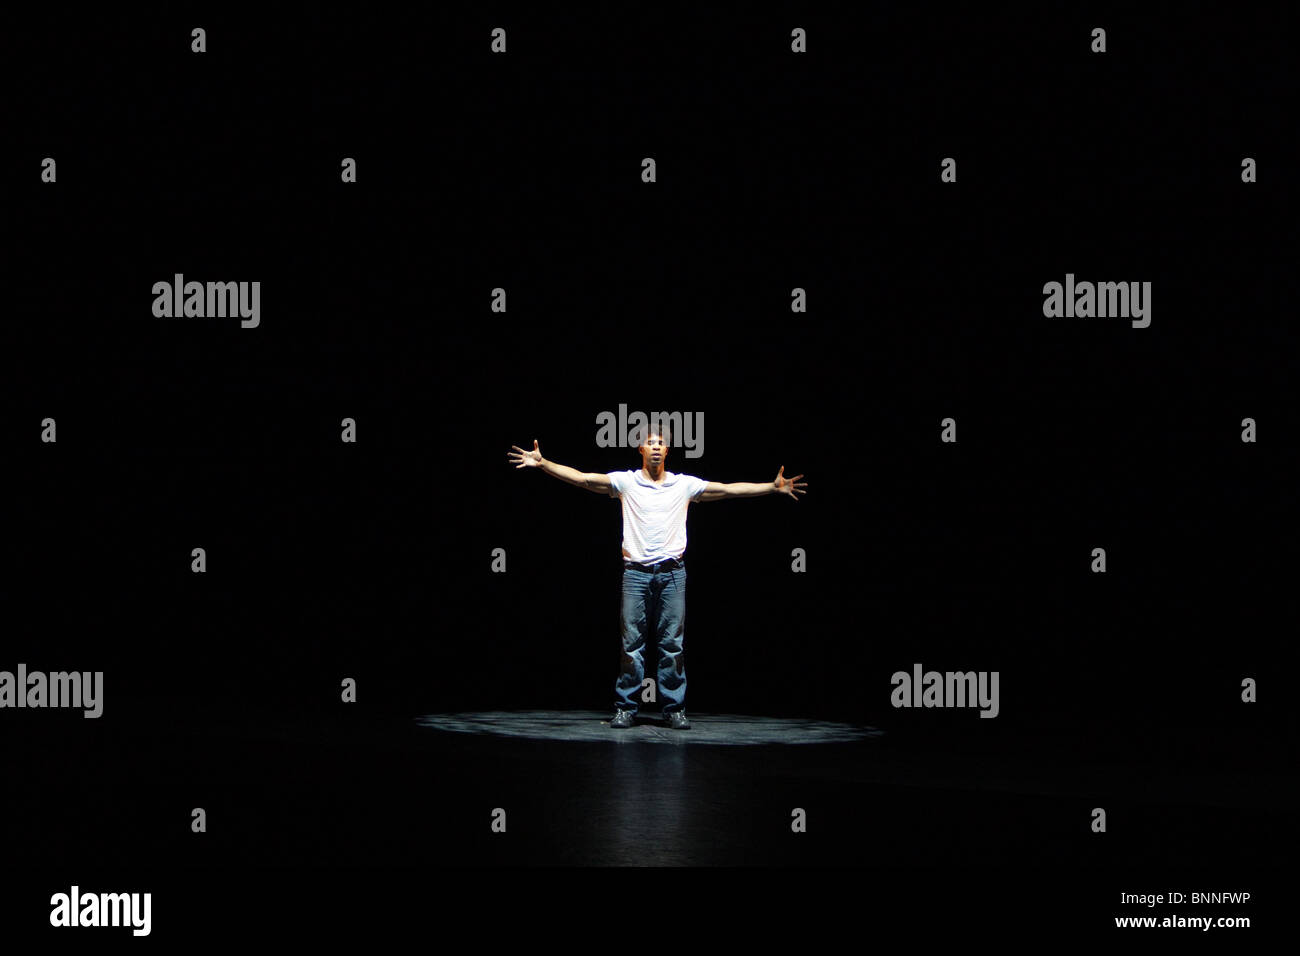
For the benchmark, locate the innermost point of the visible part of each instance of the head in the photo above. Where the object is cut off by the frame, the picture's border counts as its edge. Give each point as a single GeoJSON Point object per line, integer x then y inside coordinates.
{"type": "Point", "coordinates": [654, 449]}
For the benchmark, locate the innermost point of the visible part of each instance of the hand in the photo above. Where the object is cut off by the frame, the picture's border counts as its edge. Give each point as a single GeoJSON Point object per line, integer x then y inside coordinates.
{"type": "Point", "coordinates": [526, 459]}
{"type": "Point", "coordinates": [790, 486]}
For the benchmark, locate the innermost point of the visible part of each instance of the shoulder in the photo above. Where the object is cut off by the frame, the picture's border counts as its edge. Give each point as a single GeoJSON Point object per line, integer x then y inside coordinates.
{"type": "Point", "coordinates": [618, 481]}
{"type": "Point", "coordinates": [693, 484]}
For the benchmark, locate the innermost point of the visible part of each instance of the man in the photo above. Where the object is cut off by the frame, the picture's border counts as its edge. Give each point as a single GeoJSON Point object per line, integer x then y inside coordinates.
{"type": "Point", "coordinates": [654, 573]}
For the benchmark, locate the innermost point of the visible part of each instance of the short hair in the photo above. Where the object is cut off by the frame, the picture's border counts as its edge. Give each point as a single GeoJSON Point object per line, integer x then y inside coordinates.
{"type": "Point", "coordinates": [663, 428]}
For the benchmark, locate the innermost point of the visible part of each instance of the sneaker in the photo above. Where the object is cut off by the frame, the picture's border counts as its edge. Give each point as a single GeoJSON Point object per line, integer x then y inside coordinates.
{"type": "Point", "coordinates": [677, 720]}
{"type": "Point", "coordinates": [622, 719]}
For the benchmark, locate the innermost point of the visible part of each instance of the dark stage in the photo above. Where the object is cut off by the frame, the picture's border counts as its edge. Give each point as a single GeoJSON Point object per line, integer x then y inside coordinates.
{"type": "Point", "coordinates": [1018, 308]}
{"type": "Point", "coordinates": [283, 791]}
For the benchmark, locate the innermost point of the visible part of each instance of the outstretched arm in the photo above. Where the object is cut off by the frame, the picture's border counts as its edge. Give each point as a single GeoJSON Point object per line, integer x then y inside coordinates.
{"type": "Point", "coordinates": [591, 480]}
{"type": "Point", "coordinates": [749, 489]}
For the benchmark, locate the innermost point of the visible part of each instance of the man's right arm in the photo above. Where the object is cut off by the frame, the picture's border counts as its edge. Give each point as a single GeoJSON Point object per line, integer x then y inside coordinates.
{"type": "Point", "coordinates": [591, 480]}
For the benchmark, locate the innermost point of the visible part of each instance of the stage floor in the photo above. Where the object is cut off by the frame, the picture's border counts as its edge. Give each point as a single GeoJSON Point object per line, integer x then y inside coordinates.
{"type": "Point", "coordinates": [424, 791]}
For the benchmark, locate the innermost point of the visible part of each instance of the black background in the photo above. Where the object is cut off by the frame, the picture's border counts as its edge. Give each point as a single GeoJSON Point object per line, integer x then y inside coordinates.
{"type": "Point", "coordinates": [775, 171]}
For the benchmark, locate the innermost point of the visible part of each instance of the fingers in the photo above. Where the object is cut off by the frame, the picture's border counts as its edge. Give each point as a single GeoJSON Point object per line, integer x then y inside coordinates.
{"type": "Point", "coordinates": [524, 458]}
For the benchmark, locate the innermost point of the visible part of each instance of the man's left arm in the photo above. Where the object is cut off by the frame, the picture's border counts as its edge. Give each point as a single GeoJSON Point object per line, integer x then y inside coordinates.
{"type": "Point", "coordinates": [714, 490]}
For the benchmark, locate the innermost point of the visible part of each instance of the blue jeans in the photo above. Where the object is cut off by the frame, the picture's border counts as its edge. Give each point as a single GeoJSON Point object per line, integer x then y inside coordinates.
{"type": "Point", "coordinates": [657, 599]}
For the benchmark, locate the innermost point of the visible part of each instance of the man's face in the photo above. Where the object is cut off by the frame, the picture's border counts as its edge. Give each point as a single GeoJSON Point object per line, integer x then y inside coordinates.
{"type": "Point", "coordinates": [654, 451]}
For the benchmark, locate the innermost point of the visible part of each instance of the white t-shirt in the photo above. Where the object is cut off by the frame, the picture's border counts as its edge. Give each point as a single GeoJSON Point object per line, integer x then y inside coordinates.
{"type": "Point", "coordinates": [654, 515]}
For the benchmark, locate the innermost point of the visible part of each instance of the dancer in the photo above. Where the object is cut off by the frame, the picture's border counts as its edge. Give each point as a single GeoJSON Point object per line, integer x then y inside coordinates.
{"type": "Point", "coordinates": [654, 501]}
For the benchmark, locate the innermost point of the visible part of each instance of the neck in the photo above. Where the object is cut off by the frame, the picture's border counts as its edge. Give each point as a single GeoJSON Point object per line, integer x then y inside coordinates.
{"type": "Point", "coordinates": [654, 472]}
